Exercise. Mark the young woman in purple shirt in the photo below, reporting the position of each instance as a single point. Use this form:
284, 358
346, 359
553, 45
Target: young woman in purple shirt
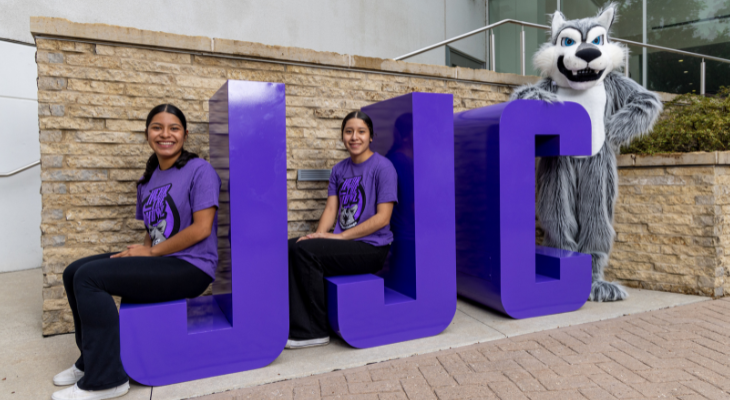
362, 192
177, 198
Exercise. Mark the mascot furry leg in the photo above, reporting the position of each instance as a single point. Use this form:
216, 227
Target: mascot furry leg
577, 195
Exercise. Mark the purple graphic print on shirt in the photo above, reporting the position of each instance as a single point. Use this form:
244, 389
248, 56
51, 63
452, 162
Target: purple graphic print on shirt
160, 214
352, 200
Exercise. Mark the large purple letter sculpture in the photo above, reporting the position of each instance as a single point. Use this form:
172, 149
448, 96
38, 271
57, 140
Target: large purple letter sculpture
498, 263
415, 296
247, 327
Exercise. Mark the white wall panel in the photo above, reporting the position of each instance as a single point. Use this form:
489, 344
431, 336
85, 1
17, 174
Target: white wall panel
18, 71
20, 199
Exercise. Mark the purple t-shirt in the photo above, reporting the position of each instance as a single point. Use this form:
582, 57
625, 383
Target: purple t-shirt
359, 189
167, 202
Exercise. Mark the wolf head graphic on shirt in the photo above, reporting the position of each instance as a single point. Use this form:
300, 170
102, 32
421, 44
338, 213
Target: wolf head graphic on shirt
352, 202
161, 217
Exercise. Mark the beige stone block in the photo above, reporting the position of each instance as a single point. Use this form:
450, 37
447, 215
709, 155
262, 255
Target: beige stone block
380, 64
698, 158
52, 83
311, 215
75, 47
625, 160
102, 187
93, 60
140, 150
307, 194
70, 123
674, 219
642, 209
80, 161
676, 190
311, 185
250, 49
125, 125
105, 238
670, 229
74, 175
100, 212
126, 174
301, 205
109, 137
109, 33
80, 85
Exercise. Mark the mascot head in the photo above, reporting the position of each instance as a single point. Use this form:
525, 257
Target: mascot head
579, 55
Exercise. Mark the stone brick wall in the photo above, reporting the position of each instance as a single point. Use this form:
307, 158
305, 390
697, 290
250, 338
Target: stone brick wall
672, 233
94, 97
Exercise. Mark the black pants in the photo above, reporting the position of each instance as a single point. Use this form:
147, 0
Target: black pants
310, 261
90, 283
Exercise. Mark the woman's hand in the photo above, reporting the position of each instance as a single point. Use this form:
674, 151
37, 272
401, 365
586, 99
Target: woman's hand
321, 235
135, 250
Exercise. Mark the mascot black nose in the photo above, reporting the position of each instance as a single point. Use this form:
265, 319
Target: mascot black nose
589, 54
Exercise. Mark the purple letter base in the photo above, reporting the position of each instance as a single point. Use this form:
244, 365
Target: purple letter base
415, 295
498, 263
247, 328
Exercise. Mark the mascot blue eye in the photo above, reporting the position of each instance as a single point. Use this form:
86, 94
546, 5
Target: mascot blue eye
568, 42
598, 40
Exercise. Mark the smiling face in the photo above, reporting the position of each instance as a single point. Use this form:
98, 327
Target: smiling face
579, 54
166, 137
356, 137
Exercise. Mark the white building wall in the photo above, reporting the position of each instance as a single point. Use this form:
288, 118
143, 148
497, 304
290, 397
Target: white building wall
375, 28
20, 199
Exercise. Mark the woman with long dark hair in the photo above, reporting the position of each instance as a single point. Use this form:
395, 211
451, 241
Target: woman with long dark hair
177, 198
363, 189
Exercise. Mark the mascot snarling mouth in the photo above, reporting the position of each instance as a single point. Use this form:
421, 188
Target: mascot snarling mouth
577, 195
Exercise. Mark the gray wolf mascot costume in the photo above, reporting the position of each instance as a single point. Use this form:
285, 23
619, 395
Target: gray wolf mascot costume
576, 195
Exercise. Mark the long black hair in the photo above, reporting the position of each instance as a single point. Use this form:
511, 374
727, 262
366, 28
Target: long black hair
359, 115
153, 162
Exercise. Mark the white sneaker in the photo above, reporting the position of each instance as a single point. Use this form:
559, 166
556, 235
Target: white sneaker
300, 344
74, 393
68, 377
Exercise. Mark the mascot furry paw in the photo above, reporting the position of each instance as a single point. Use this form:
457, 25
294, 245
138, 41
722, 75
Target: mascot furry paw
576, 195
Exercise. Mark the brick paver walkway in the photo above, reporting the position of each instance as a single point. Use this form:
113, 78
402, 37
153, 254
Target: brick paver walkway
678, 353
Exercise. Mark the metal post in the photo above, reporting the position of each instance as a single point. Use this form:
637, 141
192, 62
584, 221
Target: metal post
493, 56
644, 51
626, 63
522, 49
559, 6
702, 77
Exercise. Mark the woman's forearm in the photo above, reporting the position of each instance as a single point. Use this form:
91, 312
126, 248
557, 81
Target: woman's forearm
181, 241
371, 225
329, 215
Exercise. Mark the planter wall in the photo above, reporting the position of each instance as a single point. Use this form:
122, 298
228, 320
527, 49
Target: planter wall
672, 233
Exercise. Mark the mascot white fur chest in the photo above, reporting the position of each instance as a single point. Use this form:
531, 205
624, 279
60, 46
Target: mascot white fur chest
577, 195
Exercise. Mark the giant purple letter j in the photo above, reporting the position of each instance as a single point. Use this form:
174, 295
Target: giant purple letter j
245, 324
498, 263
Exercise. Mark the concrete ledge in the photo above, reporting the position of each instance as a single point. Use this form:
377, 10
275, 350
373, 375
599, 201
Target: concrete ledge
63, 28
668, 159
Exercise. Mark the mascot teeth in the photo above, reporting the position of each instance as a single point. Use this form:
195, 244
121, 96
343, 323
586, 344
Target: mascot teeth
576, 195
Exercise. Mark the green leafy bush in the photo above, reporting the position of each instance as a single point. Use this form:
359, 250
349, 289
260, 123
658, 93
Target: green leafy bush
689, 123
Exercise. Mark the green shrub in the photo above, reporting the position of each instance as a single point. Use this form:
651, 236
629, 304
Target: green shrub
689, 123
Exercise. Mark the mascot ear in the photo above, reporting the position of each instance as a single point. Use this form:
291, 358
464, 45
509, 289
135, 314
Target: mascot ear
558, 21
607, 16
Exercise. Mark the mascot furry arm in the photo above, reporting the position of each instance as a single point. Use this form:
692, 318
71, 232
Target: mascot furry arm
576, 195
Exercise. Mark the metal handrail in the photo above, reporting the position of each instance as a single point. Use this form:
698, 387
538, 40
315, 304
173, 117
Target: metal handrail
21, 169
523, 24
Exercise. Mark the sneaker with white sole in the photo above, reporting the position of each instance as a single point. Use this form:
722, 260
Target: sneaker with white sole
68, 377
300, 344
74, 393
